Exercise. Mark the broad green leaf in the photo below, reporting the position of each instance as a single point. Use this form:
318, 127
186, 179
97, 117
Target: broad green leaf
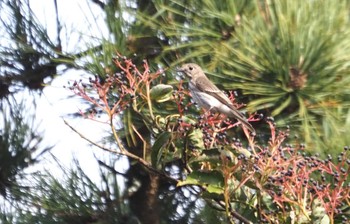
319, 214
188, 120
195, 138
158, 147
129, 132
211, 155
212, 181
161, 93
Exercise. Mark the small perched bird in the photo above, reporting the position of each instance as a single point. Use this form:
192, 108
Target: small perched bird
210, 97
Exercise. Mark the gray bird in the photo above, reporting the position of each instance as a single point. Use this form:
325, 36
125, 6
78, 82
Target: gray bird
210, 97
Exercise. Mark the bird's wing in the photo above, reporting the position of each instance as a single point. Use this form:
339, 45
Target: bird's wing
205, 85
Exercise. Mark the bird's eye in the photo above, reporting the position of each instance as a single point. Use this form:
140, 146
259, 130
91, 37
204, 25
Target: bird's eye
190, 68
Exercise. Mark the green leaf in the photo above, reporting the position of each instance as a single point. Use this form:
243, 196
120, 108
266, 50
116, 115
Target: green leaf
188, 120
195, 138
161, 93
212, 181
158, 148
319, 214
129, 132
212, 156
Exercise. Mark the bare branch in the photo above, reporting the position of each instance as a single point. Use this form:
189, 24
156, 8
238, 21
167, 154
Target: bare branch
124, 152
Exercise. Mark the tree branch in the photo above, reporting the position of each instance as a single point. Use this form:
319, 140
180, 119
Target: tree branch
124, 152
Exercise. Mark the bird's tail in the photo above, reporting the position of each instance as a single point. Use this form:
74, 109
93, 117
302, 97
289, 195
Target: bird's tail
237, 115
247, 125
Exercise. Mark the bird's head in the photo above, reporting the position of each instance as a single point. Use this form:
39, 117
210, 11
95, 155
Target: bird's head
190, 69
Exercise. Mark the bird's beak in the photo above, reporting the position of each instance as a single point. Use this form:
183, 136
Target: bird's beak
180, 69
183, 70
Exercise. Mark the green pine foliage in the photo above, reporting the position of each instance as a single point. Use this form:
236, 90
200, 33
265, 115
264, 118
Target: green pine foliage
288, 59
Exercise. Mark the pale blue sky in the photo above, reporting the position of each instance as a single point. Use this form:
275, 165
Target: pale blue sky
83, 22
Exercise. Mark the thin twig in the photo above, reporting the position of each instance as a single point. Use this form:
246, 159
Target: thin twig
126, 153
143, 141
90, 141
235, 214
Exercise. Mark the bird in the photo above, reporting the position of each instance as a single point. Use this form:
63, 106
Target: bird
208, 96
